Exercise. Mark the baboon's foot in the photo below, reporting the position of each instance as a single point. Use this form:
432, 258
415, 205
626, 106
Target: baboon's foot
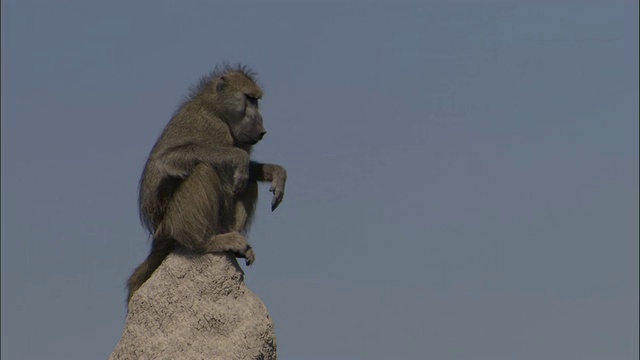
250, 257
235, 243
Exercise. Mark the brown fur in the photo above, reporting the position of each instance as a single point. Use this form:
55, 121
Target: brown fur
199, 189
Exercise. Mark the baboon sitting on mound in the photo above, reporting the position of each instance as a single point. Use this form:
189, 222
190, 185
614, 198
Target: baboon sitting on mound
199, 189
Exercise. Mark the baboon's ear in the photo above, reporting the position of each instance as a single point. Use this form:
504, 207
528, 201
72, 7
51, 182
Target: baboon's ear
221, 83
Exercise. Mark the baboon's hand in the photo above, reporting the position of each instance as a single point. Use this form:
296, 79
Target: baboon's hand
277, 187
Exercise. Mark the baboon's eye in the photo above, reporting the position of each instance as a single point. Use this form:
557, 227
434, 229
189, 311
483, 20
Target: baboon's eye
252, 100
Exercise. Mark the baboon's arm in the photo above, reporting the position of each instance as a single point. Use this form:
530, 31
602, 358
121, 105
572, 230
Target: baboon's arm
179, 161
270, 172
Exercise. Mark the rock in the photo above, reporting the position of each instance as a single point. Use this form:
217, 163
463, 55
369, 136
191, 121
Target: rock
196, 306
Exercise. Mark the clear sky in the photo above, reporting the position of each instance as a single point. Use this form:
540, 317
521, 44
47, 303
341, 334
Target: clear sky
463, 176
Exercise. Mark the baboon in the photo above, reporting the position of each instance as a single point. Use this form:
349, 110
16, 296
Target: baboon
198, 189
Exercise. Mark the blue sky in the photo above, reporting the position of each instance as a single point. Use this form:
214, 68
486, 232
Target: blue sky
463, 176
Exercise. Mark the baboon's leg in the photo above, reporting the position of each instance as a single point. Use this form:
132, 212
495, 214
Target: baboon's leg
244, 207
194, 216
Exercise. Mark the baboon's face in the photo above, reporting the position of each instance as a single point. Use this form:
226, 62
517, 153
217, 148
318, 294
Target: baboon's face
239, 108
250, 129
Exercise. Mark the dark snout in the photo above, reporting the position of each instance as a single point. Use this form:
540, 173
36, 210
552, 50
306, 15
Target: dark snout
257, 129
251, 129
255, 134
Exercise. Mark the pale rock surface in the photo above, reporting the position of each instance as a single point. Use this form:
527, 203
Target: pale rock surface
196, 306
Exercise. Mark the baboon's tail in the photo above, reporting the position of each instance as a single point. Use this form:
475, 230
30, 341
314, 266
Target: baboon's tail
160, 249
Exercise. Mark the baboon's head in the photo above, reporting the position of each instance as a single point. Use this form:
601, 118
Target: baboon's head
236, 96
